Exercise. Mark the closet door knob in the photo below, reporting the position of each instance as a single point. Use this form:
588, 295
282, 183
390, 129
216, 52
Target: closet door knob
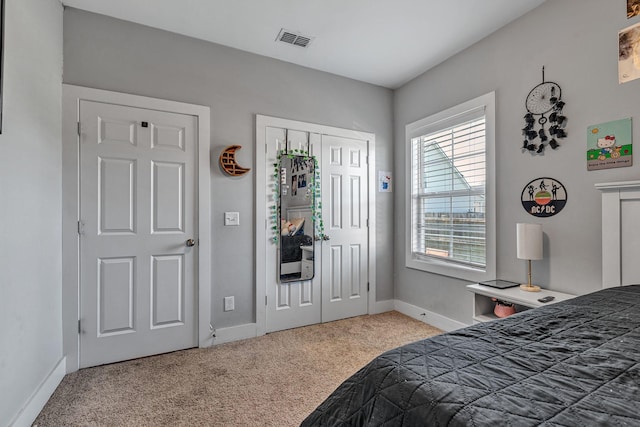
190, 243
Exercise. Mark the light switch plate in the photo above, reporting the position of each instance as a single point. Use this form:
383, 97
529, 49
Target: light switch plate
232, 218
229, 304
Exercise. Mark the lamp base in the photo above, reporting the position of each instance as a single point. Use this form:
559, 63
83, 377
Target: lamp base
530, 288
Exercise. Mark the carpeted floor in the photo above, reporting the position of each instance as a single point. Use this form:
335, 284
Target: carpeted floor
273, 380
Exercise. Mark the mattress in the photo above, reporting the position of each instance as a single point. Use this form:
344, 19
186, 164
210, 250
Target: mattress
574, 363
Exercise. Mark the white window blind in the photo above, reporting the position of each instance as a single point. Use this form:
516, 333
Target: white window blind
448, 190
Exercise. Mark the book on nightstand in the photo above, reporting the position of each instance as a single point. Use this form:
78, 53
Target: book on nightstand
500, 284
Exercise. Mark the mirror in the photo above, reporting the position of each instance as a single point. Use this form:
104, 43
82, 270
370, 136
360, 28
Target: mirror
296, 218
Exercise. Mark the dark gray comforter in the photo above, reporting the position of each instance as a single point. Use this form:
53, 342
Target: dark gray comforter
574, 363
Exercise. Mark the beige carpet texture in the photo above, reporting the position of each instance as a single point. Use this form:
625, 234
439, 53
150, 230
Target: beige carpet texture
272, 380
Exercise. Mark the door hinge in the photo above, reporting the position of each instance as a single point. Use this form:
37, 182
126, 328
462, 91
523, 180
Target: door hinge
367, 222
265, 300
79, 129
80, 228
367, 286
79, 327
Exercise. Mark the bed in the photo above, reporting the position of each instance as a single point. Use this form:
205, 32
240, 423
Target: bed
573, 363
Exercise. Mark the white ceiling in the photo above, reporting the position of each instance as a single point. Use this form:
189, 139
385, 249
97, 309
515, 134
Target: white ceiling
384, 42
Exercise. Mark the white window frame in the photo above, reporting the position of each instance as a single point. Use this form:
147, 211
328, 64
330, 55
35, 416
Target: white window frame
431, 124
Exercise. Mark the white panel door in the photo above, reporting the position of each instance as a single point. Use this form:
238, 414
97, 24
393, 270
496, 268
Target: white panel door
138, 211
345, 212
291, 304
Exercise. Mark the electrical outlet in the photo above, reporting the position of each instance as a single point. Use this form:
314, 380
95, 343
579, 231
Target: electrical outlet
229, 304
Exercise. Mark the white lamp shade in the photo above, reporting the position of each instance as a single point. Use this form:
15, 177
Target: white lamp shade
529, 241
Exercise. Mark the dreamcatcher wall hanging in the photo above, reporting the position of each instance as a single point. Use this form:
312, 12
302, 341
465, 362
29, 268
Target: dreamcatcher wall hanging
544, 122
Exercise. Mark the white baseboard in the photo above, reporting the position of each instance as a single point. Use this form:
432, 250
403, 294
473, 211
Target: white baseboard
426, 316
235, 333
40, 396
250, 330
383, 306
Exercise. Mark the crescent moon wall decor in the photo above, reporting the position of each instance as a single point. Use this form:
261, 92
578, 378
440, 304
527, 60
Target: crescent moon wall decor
228, 161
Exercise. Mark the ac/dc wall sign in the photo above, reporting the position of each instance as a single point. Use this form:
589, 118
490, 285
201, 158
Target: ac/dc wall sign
544, 197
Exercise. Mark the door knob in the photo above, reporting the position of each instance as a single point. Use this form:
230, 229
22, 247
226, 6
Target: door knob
326, 237
190, 243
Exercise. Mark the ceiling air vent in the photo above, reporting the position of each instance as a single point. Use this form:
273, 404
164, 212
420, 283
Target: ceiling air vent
296, 39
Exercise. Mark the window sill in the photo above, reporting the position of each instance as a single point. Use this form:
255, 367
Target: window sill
450, 269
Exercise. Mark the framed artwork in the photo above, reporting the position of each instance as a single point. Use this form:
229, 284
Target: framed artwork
629, 53
384, 182
633, 8
609, 145
1, 59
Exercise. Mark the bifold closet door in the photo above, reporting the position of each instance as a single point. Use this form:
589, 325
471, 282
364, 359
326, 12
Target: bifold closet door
339, 287
289, 304
345, 212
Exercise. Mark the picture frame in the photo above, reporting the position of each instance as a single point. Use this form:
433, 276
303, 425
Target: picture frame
629, 53
610, 145
633, 8
2, 33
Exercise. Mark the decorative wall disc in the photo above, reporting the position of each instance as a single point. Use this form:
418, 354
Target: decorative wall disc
543, 197
228, 161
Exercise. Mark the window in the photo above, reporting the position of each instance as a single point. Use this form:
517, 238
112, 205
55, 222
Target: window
450, 188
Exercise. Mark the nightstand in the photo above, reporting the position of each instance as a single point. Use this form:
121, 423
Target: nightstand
307, 262
483, 306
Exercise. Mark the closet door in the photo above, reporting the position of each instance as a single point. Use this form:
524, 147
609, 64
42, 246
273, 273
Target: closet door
339, 288
345, 212
289, 304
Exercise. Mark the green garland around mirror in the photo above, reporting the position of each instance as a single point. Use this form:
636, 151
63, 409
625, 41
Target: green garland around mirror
313, 191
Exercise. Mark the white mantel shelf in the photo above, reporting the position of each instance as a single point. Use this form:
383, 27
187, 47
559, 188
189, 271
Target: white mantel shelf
617, 185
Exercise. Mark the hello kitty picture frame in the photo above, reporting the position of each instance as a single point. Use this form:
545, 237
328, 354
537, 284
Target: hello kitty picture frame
609, 145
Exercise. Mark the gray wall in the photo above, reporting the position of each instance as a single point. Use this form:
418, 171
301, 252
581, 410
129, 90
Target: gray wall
577, 42
30, 200
110, 54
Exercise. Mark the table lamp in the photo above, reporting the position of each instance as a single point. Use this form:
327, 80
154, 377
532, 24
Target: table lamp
529, 243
